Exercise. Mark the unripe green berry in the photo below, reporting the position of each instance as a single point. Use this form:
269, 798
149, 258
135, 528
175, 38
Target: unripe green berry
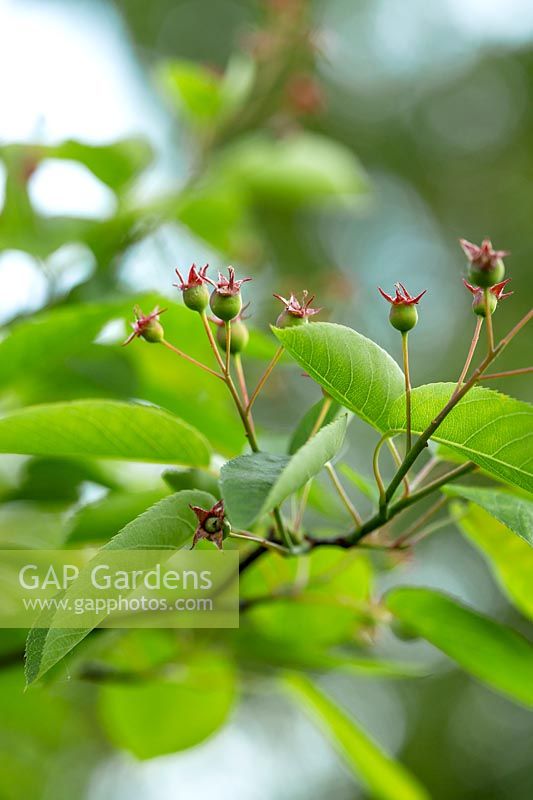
403, 317
196, 297
225, 306
212, 525
153, 332
239, 337
486, 276
288, 320
479, 307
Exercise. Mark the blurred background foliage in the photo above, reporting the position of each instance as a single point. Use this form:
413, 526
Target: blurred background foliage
325, 145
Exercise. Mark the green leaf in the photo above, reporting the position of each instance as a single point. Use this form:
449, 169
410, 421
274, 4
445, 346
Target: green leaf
487, 427
514, 512
509, 557
44, 342
259, 652
496, 655
237, 82
194, 89
252, 485
115, 164
103, 429
22, 229
169, 524
298, 170
307, 423
173, 713
103, 519
191, 479
56, 480
355, 371
334, 605
385, 778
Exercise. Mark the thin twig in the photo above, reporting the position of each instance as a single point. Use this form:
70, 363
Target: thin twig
428, 467
243, 413
375, 467
407, 376
509, 373
488, 317
264, 377
420, 522
191, 359
228, 345
240, 377
326, 405
433, 528
249, 537
212, 342
284, 534
424, 437
342, 494
384, 515
471, 351
398, 460
298, 519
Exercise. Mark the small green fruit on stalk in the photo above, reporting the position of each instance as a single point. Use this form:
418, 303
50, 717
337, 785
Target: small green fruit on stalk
485, 267
296, 312
495, 294
226, 299
194, 289
403, 314
212, 524
147, 326
239, 336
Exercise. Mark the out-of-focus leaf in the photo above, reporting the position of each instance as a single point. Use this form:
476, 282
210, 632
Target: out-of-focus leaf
39, 733
193, 88
44, 342
514, 512
31, 525
102, 519
22, 229
237, 82
363, 484
53, 480
301, 169
159, 717
253, 485
320, 601
327, 503
489, 428
217, 212
256, 651
191, 479
355, 371
103, 429
496, 655
115, 164
510, 558
260, 346
385, 778
307, 423
169, 524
